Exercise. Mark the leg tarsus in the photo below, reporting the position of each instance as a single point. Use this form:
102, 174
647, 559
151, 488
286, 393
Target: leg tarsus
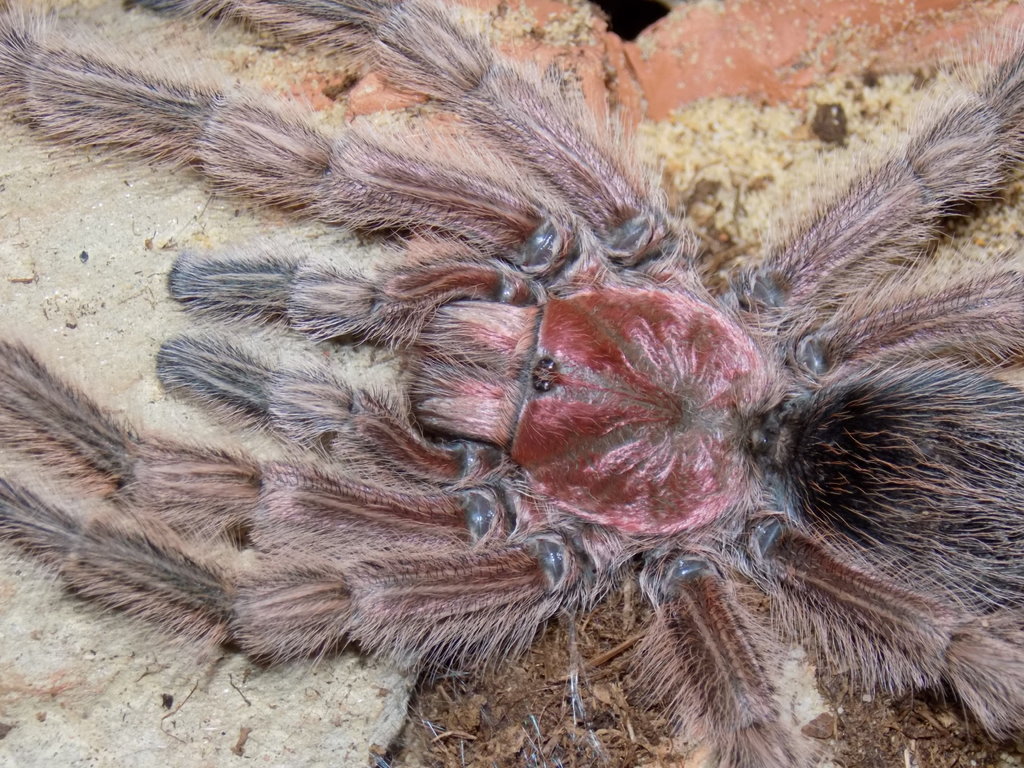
45, 419
253, 285
218, 375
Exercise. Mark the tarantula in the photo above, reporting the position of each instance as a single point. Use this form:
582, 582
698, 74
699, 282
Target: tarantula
580, 409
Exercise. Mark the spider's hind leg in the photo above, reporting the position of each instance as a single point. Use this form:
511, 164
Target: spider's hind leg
705, 661
979, 321
892, 637
963, 150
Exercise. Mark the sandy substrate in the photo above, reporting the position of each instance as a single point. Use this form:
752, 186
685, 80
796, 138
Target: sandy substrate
85, 246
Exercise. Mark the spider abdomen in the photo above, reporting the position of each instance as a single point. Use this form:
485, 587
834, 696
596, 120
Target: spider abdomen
921, 467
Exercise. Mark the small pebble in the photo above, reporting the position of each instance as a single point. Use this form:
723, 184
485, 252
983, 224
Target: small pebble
829, 123
822, 727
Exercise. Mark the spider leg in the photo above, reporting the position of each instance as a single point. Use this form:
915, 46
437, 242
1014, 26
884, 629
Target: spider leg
891, 636
440, 607
465, 608
309, 407
129, 562
527, 114
470, 359
344, 559
204, 493
981, 319
346, 516
965, 153
325, 302
362, 179
51, 422
703, 659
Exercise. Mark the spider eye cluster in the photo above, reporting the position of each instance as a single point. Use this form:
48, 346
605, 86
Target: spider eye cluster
544, 374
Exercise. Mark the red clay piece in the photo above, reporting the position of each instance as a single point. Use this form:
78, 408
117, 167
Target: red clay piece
773, 49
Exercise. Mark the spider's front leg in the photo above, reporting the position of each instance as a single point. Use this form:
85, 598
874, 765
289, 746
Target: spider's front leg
521, 112
202, 492
441, 607
365, 179
527, 176
301, 604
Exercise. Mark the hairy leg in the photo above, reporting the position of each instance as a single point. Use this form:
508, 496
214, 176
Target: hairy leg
526, 114
309, 407
703, 660
256, 283
363, 179
965, 153
902, 551
980, 320
204, 493
294, 604
128, 562
891, 637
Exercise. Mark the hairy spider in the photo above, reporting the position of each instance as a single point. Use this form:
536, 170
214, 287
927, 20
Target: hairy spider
580, 409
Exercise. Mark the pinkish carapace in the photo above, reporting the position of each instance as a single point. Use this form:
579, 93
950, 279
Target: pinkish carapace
634, 424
